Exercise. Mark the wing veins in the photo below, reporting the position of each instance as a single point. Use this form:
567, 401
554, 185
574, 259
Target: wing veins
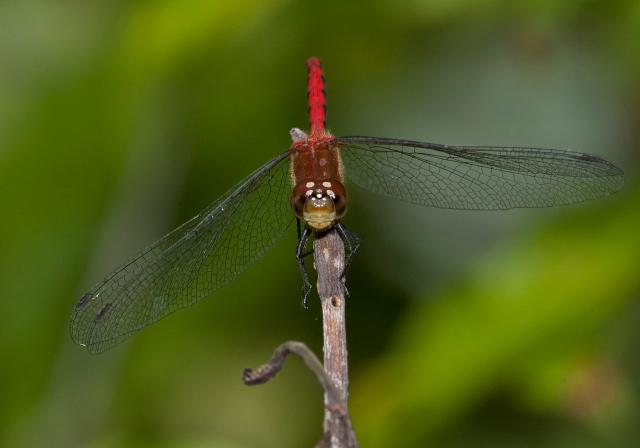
199, 235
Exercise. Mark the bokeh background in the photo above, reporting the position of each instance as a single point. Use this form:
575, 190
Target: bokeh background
119, 120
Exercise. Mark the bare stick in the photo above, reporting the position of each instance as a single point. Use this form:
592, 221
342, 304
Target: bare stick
329, 263
340, 433
267, 371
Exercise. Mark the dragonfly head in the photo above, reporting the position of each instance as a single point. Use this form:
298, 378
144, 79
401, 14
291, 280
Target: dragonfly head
319, 203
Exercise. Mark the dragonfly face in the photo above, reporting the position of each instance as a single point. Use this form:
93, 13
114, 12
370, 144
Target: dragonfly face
319, 203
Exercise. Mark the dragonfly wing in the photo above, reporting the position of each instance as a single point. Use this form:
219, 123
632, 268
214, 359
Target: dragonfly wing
190, 263
476, 178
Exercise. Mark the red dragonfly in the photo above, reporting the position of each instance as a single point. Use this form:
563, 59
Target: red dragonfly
228, 236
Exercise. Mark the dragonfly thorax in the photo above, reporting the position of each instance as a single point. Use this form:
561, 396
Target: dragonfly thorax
319, 203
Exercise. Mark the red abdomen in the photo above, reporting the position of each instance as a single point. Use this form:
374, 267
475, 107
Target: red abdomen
317, 97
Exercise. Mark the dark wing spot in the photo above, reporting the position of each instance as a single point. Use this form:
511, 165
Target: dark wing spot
83, 301
103, 311
590, 158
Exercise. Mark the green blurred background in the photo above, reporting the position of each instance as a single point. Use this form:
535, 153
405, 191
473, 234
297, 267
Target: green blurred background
119, 120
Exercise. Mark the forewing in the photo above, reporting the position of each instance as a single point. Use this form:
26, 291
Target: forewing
190, 263
476, 178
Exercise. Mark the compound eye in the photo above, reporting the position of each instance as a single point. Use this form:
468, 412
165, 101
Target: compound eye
299, 196
336, 191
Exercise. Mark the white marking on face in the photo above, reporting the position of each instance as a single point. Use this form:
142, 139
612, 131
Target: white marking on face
308, 193
331, 194
326, 184
310, 184
319, 195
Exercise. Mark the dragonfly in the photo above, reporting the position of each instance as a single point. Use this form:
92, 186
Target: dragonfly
306, 184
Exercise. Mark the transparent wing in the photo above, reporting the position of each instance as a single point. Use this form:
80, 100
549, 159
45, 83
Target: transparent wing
476, 177
190, 263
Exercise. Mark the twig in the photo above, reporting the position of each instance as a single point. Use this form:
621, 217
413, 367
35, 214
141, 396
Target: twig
342, 435
267, 371
329, 263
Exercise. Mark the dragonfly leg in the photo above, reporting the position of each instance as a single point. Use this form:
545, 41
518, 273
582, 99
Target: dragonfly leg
309, 252
352, 241
303, 237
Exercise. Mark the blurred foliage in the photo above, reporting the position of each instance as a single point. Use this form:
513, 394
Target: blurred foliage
120, 120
